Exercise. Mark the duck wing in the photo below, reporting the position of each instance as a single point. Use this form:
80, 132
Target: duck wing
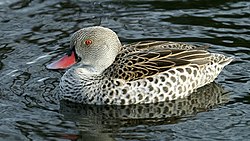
164, 44
141, 60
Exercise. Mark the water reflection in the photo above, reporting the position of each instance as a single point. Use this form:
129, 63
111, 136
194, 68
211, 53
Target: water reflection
99, 119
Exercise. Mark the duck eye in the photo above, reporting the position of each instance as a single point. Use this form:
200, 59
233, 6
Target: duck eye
88, 42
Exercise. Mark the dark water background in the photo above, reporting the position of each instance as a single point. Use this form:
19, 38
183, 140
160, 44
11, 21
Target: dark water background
35, 32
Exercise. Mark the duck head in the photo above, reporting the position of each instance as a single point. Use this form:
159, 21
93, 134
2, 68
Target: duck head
93, 46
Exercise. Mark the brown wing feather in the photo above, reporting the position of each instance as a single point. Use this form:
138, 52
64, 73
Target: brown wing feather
164, 44
133, 63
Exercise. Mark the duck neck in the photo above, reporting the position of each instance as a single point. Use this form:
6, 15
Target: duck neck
87, 70
99, 62
90, 70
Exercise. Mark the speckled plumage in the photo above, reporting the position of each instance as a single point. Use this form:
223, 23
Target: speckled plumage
139, 73
203, 99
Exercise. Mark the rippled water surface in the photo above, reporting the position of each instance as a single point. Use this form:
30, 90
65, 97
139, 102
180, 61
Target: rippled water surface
33, 33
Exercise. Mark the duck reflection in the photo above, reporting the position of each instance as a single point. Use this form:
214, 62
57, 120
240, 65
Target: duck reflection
109, 122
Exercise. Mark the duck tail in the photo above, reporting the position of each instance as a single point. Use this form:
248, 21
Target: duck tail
226, 61
222, 60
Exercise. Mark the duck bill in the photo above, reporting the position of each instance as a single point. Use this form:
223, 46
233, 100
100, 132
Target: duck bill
63, 63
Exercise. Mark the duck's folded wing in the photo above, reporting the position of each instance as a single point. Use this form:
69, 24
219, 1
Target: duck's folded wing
143, 63
164, 44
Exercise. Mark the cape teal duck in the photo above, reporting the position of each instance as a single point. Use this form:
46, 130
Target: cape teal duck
107, 72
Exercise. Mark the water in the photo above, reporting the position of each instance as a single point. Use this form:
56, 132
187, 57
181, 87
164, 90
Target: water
33, 33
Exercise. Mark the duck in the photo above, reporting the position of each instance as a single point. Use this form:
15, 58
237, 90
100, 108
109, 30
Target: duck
102, 71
